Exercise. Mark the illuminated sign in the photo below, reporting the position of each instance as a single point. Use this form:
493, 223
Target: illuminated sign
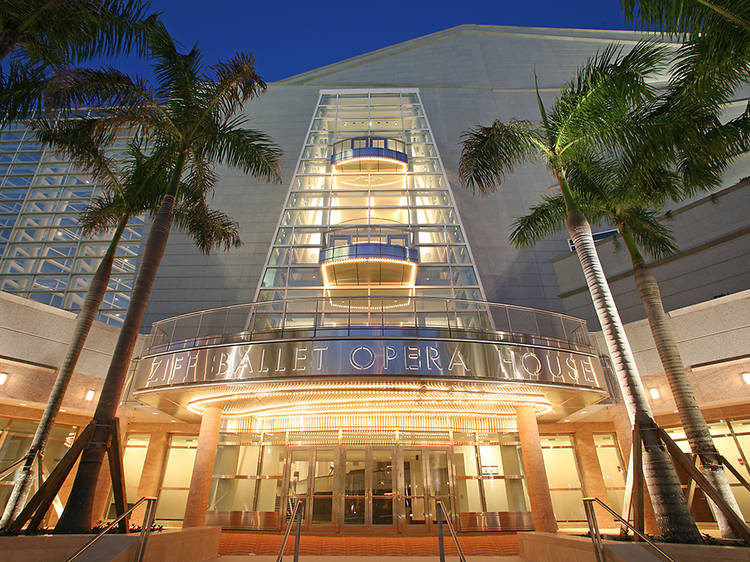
483, 361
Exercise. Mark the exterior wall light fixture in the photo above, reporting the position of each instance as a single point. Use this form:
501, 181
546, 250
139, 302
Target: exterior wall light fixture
654, 392
89, 395
745, 377
4, 377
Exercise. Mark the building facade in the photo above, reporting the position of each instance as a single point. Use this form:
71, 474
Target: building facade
375, 349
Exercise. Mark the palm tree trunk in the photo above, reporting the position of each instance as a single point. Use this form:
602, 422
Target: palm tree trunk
672, 514
86, 316
691, 417
76, 517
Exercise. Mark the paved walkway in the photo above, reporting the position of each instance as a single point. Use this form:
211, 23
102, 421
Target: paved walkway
486, 544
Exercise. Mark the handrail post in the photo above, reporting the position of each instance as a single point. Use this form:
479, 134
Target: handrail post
297, 535
141, 548
441, 545
441, 509
588, 504
292, 519
148, 521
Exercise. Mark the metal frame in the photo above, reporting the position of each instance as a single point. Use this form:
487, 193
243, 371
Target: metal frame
148, 520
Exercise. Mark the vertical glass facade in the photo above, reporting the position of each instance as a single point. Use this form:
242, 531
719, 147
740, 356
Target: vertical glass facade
369, 197
43, 255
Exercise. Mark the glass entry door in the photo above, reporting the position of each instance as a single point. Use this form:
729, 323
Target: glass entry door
311, 479
427, 479
369, 487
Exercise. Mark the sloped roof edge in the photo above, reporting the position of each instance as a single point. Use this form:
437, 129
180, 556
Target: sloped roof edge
596, 35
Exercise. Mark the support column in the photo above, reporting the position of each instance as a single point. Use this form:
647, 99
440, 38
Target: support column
103, 492
536, 477
624, 431
591, 474
203, 468
153, 464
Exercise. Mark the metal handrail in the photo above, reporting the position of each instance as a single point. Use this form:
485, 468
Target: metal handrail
443, 514
296, 534
430, 314
596, 537
148, 520
11, 468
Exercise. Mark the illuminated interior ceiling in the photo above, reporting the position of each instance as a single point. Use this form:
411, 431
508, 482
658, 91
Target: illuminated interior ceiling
370, 262
359, 404
364, 270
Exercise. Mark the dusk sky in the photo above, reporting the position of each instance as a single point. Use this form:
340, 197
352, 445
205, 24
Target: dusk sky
289, 37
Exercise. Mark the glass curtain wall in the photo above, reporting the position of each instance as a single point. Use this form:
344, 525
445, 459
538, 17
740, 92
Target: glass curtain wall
15, 439
43, 255
732, 440
564, 477
417, 199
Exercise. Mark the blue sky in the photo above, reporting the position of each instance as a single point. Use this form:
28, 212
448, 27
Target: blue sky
293, 36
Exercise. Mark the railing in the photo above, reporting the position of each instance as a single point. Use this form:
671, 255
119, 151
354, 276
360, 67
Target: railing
383, 147
148, 520
292, 519
443, 514
396, 316
10, 469
596, 537
376, 233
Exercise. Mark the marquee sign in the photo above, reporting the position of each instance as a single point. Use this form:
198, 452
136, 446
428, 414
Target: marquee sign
483, 361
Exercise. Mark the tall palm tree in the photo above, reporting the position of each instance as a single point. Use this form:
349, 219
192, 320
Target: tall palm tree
130, 189
40, 36
613, 192
189, 119
592, 113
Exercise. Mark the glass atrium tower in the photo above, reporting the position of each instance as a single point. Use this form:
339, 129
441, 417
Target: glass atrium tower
369, 378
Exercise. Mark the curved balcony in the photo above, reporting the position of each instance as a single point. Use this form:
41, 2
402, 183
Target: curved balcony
369, 148
370, 363
368, 255
374, 317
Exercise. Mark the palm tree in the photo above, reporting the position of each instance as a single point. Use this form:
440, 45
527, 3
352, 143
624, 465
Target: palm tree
593, 113
40, 36
714, 60
616, 193
128, 192
189, 119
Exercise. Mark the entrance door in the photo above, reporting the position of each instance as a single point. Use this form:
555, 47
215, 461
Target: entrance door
426, 480
368, 487
311, 479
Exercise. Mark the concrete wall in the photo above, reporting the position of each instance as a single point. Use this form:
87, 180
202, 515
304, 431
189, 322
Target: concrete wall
713, 236
467, 76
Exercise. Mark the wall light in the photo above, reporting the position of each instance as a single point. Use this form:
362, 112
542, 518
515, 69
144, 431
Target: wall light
90, 395
654, 392
4, 377
745, 377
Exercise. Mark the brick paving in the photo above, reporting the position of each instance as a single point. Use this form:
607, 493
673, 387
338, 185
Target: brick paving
486, 544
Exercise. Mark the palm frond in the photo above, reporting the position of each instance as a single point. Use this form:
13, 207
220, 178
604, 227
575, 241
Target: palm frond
209, 228
21, 91
687, 18
248, 150
489, 153
545, 218
649, 233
